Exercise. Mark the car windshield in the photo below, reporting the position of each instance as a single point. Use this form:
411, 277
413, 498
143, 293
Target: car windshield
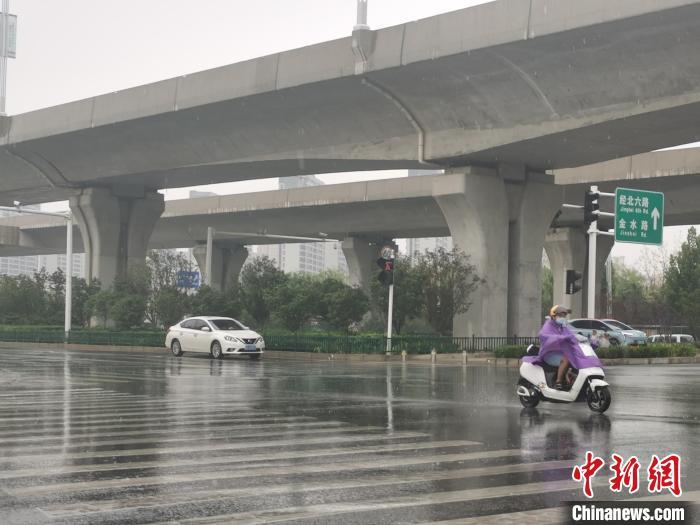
618, 324
226, 324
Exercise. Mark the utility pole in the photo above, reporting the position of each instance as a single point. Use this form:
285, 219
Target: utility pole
8, 37
207, 263
361, 15
609, 290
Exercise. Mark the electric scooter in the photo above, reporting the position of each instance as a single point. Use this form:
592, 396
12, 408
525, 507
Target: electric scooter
537, 383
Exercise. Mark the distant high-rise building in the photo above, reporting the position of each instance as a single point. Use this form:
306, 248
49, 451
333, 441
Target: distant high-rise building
301, 181
309, 257
21, 265
51, 263
195, 194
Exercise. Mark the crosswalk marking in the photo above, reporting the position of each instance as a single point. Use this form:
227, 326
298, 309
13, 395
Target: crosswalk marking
291, 455
374, 480
242, 447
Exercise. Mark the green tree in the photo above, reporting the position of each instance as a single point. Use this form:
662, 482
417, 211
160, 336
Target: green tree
629, 295
170, 304
409, 301
547, 291
258, 279
56, 297
127, 310
682, 283
98, 306
341, 305
448, 280
81, 295
165, 301
295, 301
22, 300
208, 301
129, 298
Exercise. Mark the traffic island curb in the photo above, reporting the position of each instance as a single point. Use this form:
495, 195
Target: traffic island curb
457, 358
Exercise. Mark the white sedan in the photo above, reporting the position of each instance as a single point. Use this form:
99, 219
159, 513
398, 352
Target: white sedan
217, 336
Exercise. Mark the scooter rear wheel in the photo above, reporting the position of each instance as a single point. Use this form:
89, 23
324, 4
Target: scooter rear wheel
599, 400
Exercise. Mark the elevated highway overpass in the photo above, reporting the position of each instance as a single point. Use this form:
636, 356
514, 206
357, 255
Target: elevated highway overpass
497, 93
363, 214
542, 83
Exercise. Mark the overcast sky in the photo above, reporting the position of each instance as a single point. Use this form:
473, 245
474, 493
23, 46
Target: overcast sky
73, 49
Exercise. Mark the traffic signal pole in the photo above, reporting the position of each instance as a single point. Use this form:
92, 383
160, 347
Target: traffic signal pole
389, 317
592, 245
593, 233
386, 276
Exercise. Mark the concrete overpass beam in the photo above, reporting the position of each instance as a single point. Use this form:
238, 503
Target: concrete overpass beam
116, 225
533, 202
478, 220
226, 263
567, 250
361, 256
9, 235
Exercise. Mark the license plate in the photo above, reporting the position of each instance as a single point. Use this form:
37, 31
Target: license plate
250, 348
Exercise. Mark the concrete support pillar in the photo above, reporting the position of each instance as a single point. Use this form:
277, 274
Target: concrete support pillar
478, 220
116, 225
226, 263
567, 250
361, 255
533, 200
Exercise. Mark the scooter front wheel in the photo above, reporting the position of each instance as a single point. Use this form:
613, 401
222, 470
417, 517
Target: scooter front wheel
599, 400
529, 401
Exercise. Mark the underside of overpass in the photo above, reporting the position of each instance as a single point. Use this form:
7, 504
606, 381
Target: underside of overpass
539, 83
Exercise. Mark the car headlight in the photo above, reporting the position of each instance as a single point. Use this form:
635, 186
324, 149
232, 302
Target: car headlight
260, 340
232, 339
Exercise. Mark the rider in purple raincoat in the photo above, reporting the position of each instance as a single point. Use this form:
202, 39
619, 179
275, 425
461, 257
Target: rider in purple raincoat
559, 346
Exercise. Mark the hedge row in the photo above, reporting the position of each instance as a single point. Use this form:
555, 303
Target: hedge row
615, 352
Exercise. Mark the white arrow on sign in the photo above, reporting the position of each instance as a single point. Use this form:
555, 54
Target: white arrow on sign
655, 215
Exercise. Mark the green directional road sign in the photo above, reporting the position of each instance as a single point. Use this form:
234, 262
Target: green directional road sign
639, 216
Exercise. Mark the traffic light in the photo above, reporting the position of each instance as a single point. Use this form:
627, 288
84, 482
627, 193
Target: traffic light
386, 276
572, 286
590, 207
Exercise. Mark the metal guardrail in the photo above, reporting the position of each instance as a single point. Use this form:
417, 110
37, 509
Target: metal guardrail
351, 344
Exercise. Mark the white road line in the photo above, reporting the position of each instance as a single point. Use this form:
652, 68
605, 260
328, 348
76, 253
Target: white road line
249, 471
373, 480
232, 459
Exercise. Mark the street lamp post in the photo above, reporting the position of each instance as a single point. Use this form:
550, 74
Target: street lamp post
69, 258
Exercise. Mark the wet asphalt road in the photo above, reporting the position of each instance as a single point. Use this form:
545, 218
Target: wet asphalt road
150, 438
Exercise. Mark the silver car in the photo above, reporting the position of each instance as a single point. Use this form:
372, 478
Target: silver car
216, 336
632, 336
618, 333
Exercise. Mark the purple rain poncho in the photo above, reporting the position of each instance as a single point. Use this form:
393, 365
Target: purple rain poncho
557, 338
